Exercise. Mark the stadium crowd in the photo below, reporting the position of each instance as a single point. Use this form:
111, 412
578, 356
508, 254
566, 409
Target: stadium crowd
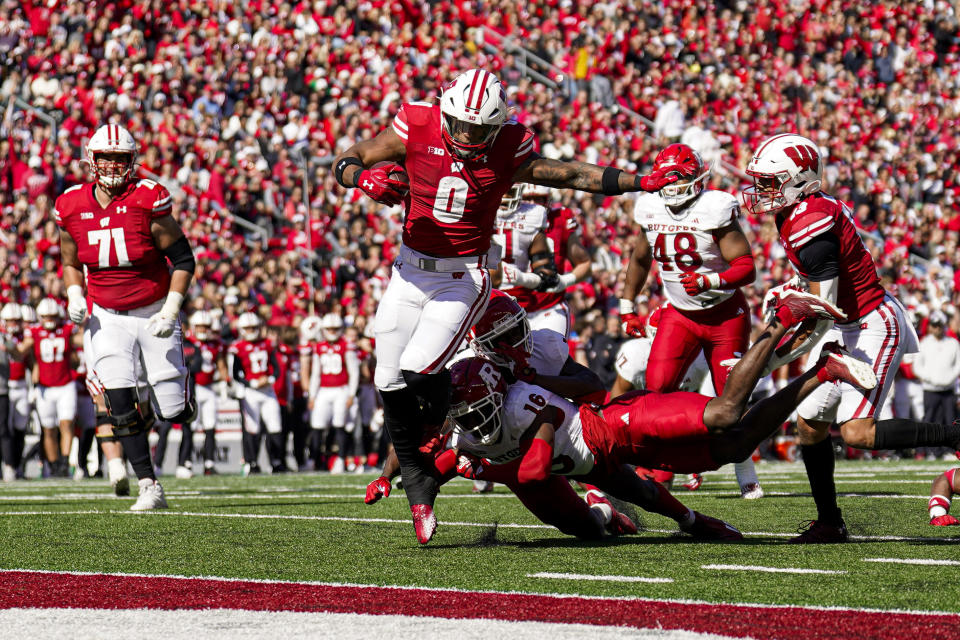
228, 100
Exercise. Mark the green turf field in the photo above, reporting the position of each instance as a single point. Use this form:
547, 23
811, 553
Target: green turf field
316, 528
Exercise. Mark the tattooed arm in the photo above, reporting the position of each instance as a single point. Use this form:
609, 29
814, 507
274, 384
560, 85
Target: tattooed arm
584, 176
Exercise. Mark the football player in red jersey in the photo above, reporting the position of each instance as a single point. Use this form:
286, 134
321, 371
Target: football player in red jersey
109, 443
50, 346
821, 242
254, 368
121, 231
941, 494
13, 429
543, 295
462, 156
331, 385
208, 364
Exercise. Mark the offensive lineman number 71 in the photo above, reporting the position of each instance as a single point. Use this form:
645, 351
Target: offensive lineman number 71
102, 238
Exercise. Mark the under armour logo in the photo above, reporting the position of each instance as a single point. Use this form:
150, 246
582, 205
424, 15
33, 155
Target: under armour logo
121, 209
367, 184
456, 167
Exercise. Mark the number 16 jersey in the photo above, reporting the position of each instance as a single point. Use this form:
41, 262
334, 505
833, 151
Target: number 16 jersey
453, 202
686, 242
125, 269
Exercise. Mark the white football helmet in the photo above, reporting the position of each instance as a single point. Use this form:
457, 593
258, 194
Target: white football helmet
118, 142
49, 313
249, 325
511, 199
309, 329
201, 323
29, 314
11, 317
332, 325
473, 109
536, 192
785, 169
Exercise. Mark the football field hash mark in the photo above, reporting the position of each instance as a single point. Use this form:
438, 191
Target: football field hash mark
580, 576
921, 561
744, 567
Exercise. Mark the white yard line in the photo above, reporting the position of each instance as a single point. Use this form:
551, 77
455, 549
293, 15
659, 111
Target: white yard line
745, 567
581, 576
922, 561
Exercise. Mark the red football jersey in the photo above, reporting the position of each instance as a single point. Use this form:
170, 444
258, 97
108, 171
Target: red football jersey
286, 360
210, 351
18, 370
254, 357
859, 289
333, 362
125, 270
452, 203
561, 224
52, 350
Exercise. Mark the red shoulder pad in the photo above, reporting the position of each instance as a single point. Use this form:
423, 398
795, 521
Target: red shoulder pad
807, 224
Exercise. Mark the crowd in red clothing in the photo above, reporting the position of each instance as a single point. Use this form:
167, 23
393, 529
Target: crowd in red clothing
224, 96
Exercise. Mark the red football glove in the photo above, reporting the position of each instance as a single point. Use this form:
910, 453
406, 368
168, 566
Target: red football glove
695, 283
526, 374
377, 184
469, 466
379, 488
946, 520
517, 355
632, 325
658, 180
432, 443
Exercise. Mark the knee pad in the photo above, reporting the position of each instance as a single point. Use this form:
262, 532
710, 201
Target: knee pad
124, 411
107, 437
101, 417
186, 416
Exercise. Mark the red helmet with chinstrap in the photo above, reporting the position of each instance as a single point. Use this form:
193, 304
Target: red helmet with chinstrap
477, 398
502, 327
687, 163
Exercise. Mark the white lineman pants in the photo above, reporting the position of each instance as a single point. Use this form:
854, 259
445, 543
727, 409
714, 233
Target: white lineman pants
257, 405
120, 341
19, 405
56, 404
882, 337
555, 318
330, 407
207, 402
425, 313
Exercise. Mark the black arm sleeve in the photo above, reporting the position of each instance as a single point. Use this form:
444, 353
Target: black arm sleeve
274, 363
238, 374
181, 255
820, 259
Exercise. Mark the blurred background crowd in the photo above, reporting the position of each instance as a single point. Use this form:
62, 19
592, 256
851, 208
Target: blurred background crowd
241, 105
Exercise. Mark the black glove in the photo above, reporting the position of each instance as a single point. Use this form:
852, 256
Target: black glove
548, 278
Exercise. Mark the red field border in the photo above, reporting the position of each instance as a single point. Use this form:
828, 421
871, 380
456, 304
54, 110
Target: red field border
40, 589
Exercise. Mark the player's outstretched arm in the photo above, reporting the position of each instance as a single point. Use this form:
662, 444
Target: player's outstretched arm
576, 382
584, 176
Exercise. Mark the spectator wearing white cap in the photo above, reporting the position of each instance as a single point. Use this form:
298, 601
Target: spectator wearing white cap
938, 367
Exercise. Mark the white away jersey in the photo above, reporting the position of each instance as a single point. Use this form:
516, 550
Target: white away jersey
631, 365
514, 233
550, 352
523, 403
685, 242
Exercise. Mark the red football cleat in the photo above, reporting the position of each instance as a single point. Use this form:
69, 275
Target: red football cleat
796, 306
945, 520
694, 482
424, 522
708, 528
619, 524
818, 532
838, 365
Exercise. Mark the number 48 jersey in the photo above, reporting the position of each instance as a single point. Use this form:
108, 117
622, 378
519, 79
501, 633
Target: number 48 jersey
686, 242
125, 269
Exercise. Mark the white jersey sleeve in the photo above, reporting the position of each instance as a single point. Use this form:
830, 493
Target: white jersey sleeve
684, 242
515, 232
550, 352
631, 362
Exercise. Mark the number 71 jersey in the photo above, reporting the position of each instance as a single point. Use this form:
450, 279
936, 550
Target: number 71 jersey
686, 242
125, 269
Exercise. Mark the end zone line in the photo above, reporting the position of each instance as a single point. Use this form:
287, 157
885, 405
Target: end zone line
923, 561
581, 576
743, 567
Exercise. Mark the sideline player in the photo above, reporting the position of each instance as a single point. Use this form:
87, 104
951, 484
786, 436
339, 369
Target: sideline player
679, 431
940, 495
704, 259
331, 385
461, 155
50, 345
13, 423
208, 364
121, 231
822, 244
254, 368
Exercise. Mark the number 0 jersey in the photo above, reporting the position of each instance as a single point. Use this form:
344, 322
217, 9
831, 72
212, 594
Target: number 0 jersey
685, 242
125, 269
453, 202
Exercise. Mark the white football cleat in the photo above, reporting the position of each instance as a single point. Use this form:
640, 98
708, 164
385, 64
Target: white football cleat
117, 470
184, 473
337, 465
752, 491
151, 496
9, 473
